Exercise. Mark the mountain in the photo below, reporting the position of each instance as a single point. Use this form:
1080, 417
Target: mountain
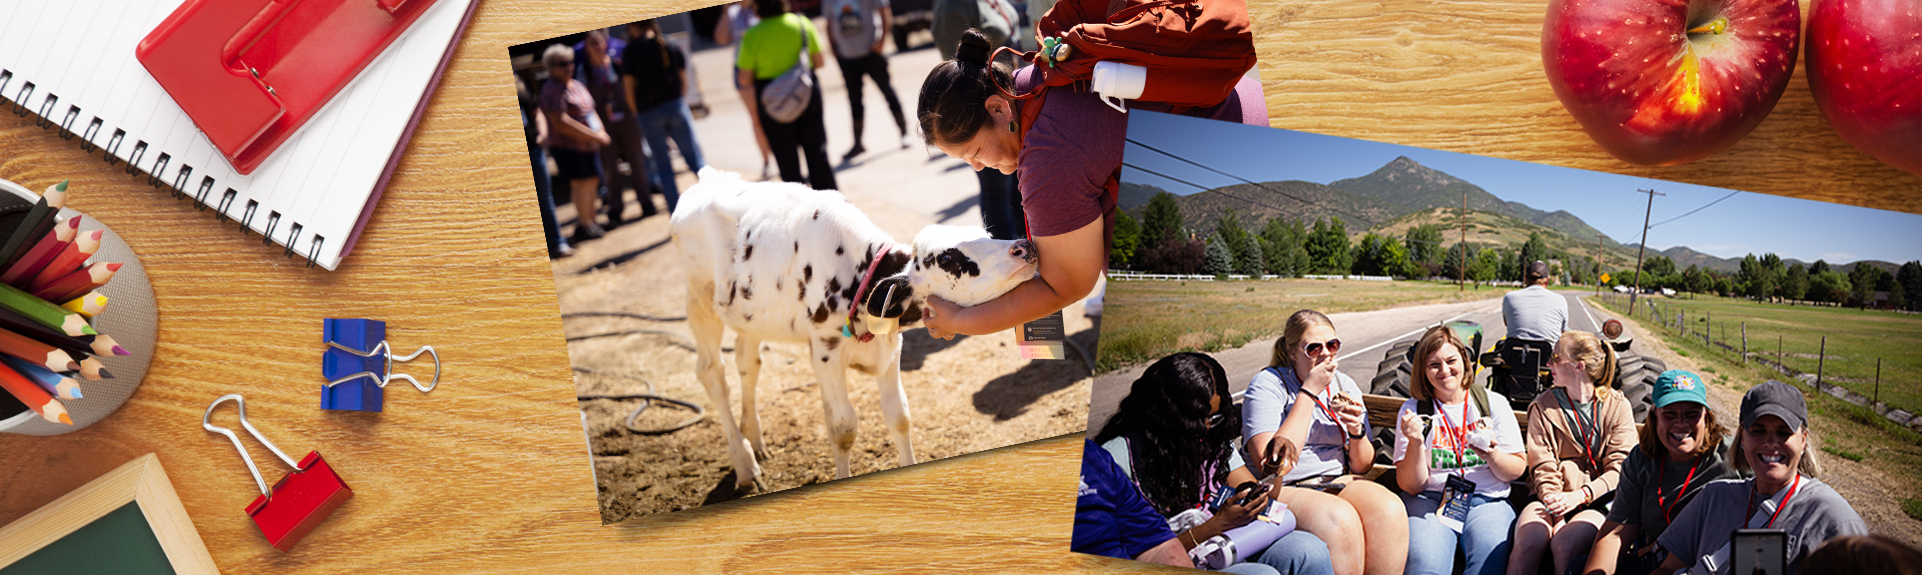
1256, 203
1412, 187
1133, 195
1498, 229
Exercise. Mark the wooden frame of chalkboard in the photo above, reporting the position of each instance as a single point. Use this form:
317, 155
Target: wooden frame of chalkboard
141, 482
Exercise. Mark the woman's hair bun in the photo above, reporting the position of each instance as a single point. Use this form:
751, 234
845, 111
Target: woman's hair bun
973, 48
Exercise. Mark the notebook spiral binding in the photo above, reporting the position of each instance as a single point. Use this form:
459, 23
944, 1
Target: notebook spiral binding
202, 198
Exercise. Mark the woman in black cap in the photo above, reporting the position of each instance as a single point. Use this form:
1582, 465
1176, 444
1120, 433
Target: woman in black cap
1774, 442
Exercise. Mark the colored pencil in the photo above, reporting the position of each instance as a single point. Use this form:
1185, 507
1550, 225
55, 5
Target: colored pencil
38, 399
87, 305
32, 350
78, 346
70, 259
72, 326
35, 225
42, 253
34, 308
93, 370
80, 281
60, 386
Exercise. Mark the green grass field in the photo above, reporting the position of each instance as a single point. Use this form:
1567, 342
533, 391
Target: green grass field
1149, 319
1856, 339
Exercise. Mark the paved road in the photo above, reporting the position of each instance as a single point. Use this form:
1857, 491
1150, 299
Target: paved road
1366, 337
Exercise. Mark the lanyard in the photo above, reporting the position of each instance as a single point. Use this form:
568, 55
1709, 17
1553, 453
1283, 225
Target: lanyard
1327, 410
1778, 508
1458, 434
1668, 508
1582, 426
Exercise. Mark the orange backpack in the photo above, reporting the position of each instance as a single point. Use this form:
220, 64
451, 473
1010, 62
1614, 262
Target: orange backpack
1194, 52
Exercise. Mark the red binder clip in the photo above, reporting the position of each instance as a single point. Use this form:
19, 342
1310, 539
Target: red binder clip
299, 501
251, 72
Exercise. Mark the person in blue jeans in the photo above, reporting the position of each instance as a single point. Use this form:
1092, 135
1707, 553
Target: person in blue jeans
656, 79
1175, 436
1455, 438
534, 124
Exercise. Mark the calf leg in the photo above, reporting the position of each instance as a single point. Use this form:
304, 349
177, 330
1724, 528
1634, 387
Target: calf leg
894, 403
708, 328
830, 367
747, 356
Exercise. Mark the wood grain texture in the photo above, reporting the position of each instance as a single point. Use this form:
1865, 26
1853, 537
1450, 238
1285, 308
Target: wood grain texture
489, 473
1466, 76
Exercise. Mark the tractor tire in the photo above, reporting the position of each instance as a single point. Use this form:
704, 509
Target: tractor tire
1391, 375
1638, 385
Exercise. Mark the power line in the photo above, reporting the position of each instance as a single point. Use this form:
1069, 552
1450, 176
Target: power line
1304, 201
1692, 212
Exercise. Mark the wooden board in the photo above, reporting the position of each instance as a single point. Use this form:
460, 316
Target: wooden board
489, 473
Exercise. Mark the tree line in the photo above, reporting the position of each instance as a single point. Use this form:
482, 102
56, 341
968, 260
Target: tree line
1160, 242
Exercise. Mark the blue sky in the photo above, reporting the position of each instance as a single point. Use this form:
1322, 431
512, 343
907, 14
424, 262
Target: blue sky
1745, 223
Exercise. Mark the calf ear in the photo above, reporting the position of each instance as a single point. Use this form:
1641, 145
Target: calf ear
890, 303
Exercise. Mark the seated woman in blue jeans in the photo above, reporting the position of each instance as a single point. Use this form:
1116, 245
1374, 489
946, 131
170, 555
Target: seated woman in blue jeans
1455, 444
1175, 436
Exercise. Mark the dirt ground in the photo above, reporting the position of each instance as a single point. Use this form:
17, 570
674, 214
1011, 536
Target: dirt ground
622, 301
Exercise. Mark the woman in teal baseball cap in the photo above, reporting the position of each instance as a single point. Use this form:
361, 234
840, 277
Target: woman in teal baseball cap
1681, 451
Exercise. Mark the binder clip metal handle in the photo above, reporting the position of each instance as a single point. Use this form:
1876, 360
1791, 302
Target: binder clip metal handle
381, 380
206, 421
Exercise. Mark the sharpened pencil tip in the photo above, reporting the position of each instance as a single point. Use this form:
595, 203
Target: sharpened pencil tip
78, 395
104, 374
65, 419
62, 186
72, 366
117, 350
89, 330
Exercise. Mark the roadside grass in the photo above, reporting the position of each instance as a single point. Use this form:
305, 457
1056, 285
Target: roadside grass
1150, 319
1856, 340
1842, 429
1913, 507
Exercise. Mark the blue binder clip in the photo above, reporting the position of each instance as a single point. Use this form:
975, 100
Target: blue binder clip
356, 379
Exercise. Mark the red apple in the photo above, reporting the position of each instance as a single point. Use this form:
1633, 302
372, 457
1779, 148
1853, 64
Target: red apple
1666, 82
1865, 66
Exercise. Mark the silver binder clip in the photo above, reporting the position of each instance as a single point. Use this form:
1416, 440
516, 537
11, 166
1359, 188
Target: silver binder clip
381, 379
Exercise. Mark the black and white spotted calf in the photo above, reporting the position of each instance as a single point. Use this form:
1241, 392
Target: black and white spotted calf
781, 262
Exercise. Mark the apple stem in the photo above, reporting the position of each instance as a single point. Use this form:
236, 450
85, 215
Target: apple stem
1716, 26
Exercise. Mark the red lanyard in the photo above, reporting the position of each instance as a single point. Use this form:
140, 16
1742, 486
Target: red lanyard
1668, 508
1583, 427
1458, 434
1327, 410
1778, 509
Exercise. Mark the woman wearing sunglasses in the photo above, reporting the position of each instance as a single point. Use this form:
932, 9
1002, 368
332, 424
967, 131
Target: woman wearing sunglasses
1302, 399
1174, 436
1579, 433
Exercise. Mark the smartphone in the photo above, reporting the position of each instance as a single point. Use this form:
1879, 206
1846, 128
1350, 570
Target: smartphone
1759, 552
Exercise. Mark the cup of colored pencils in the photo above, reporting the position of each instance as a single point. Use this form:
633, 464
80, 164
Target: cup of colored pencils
49, 294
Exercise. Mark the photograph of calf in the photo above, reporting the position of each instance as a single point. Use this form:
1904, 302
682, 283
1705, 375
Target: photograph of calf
826, 276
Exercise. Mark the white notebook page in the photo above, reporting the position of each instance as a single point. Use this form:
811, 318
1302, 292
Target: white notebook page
82, 53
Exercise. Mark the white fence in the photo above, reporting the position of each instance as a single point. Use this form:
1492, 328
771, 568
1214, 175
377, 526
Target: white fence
1119, 275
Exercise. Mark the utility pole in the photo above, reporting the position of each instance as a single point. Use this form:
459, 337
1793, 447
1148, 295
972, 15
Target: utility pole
1641, 248
1461, 281
1598, 263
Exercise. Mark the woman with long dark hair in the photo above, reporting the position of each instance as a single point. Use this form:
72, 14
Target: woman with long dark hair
769, 49
1065, 158
656, 81
1175, 434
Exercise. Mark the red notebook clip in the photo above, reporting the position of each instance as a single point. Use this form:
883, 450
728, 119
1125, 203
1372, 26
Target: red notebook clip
251, 72
298, 502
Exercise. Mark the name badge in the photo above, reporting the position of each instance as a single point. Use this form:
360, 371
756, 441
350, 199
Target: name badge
1455, 502
1042, 338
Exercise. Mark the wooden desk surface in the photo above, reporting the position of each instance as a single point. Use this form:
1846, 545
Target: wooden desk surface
489, 472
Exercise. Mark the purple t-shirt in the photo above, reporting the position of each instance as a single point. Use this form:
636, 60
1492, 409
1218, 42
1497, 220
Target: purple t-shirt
573, 100
1075, 145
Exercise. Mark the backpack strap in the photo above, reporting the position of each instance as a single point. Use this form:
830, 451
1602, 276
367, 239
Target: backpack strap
1480, 395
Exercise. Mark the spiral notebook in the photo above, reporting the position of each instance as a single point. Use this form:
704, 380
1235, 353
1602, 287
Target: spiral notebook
72, 64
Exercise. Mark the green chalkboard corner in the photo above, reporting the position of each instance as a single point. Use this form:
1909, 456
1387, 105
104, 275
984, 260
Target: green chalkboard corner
119, 542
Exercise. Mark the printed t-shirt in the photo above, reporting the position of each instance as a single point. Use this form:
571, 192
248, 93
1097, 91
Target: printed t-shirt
1111, 517
1442, 458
